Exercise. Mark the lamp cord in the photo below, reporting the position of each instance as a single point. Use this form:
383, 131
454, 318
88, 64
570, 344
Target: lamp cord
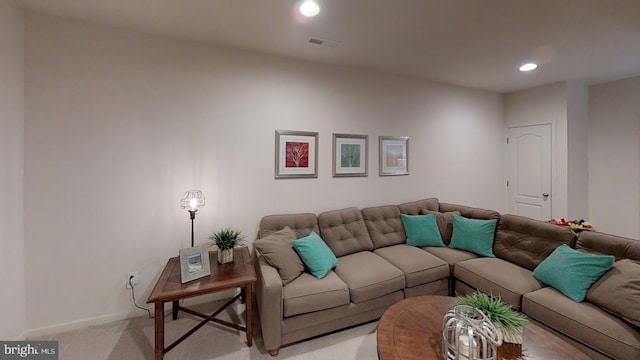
133, 298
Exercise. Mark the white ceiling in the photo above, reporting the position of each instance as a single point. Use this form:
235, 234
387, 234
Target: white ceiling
475, 43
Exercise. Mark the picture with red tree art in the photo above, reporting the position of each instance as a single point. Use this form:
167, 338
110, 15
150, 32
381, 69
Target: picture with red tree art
297, 154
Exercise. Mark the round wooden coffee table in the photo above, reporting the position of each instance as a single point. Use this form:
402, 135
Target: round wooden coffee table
412, 329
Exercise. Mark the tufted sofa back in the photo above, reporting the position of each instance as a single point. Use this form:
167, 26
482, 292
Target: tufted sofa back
415, 207
469, 212
620, 247
384, 225
344, 231
526, 242
301, 224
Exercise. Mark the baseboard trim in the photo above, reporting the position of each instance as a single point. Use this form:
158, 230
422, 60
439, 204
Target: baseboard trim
81, 324
21, 336
105, 319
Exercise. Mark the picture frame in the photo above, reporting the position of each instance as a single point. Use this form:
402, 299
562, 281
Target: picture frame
394, 155
194, 263
350, 155
296, 154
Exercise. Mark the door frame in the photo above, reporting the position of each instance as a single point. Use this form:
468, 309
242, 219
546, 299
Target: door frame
506, 195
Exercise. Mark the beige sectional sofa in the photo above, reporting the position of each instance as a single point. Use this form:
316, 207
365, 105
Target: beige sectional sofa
377, 269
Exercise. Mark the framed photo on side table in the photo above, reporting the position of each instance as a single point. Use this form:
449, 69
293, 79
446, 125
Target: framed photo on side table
296, 154
394, 155
350, 155
194, 263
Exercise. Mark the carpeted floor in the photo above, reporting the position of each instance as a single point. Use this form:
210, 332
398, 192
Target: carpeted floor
133, 339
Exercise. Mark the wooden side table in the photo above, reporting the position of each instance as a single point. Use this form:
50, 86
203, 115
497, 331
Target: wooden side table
236, 274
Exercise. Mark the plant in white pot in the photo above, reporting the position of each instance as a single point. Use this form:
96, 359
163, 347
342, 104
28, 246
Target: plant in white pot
226, 240
508, 321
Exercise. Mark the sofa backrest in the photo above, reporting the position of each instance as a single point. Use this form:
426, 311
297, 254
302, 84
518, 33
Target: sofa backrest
384, 225
414, 207
601, 243
302, 224
469, 212
445, 223
526, 242
344, 231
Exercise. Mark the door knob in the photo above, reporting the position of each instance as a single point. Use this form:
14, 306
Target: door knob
545, 195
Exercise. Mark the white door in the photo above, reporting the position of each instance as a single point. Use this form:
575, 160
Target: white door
529, 171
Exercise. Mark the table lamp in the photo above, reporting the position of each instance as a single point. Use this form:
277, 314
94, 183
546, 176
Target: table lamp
192, 201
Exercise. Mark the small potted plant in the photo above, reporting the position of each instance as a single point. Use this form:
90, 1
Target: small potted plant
508, 321
226, 240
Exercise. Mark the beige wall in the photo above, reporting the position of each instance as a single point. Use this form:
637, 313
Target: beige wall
12, 278
577, 150
596, 149
119, 125
614, 157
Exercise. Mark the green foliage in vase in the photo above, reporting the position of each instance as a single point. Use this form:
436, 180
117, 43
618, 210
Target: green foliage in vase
498, 312
226, 238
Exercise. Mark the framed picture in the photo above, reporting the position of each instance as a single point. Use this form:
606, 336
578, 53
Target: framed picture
296, 154
394, 155
350, 155
194, 263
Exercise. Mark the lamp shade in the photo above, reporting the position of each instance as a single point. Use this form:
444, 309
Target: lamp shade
192, 200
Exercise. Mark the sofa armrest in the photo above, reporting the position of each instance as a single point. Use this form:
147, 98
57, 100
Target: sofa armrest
269, 300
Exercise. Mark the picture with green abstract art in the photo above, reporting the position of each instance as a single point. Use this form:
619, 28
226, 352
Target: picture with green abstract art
350, 155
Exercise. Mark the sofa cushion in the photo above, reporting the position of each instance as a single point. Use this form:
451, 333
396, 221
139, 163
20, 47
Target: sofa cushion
449, 255
473, 235
384, 225
277, 249
618, 291
601, 243
572, 271
421, 230
415, 207
445, 223
379, 279
497, 277
526, 242
344, 231
301, 224
307, 294
418, 266
584, 322
315, 254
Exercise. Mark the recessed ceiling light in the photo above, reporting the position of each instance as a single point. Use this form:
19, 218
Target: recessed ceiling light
309, 8
528, 67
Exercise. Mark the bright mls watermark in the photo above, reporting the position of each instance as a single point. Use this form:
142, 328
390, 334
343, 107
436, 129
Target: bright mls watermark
30, 350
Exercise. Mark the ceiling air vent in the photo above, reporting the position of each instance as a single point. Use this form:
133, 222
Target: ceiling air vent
323, 42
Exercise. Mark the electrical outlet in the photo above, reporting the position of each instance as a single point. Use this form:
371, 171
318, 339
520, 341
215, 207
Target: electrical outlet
132, 279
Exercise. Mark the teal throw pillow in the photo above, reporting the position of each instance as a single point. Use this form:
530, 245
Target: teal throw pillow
572, 272
315, 254
473, 235
422, 230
